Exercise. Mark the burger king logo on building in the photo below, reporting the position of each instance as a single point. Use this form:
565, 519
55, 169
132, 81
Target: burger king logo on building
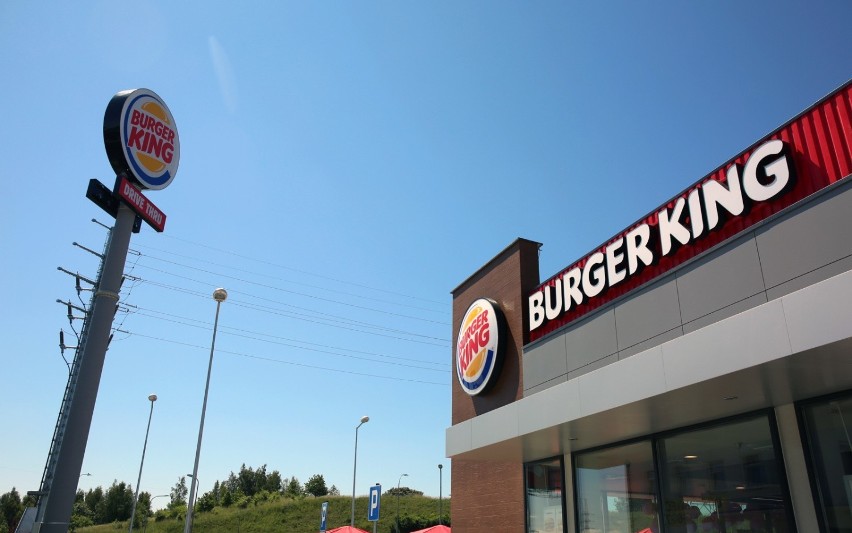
141, 138
479, 348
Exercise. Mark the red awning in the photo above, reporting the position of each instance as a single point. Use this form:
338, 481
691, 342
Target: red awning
434, 529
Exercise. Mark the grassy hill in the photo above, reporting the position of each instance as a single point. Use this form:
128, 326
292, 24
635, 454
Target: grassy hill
294, 516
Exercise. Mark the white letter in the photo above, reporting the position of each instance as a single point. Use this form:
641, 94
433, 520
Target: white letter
613, 259
536, 309
671, 227
552, 308
637, 248
716, 194
571, 288
778, 168
695, 218
589, 288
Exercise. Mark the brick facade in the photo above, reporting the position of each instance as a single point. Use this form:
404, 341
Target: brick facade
489, 496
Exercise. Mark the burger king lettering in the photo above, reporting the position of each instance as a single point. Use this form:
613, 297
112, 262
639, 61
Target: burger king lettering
478, 349
141, 138
766, 174
149, 135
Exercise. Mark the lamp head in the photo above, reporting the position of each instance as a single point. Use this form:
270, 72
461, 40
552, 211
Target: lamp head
365, 419
153, 397
220, 295
440, 466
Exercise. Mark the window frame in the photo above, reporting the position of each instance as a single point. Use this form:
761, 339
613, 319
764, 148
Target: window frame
655, 438
562, 502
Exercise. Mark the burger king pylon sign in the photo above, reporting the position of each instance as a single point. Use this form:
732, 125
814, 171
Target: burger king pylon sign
141, 138
479, 348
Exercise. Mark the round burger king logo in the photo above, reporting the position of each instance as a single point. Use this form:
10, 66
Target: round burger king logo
478, 351
141, 138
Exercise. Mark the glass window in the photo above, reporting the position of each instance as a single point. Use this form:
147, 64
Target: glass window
828, 424
617, 490
544, 481
724, 478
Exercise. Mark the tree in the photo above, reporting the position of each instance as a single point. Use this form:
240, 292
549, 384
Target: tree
206, 502
274, 483
143, 508
118, 502
81, 516
316, 486
11, 509
402, 491
247, 479
334, 491
94, 502
178, 494
294, 488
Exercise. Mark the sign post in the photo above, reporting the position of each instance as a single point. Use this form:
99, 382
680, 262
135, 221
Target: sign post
323, 517
142, 145
375, 503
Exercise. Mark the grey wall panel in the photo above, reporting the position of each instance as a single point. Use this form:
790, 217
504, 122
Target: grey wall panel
545, 362
650, 343
600, 363
814, 276
592, 340
528, 391
652, 312
721, 314
817, 234
721, 279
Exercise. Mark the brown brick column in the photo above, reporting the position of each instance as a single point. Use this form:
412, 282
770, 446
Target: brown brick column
489, 496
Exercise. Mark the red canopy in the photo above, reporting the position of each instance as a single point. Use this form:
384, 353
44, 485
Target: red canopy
346, 529
434, 529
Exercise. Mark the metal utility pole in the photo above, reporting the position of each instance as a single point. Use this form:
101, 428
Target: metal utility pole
58, 489
131, 160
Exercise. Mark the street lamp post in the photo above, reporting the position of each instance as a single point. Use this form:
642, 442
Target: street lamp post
440, 489
152, 398
152, 505
364, 420
220, 295
195, 498
397, 500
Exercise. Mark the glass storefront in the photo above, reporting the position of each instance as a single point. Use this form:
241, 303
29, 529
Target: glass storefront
545, 512
827, 426
726, 477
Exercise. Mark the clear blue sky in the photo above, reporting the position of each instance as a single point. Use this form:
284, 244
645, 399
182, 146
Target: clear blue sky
344, 166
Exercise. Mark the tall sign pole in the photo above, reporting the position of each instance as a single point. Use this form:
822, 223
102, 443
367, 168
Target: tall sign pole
143, 148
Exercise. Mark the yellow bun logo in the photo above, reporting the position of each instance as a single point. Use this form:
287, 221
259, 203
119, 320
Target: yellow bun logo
141, 138
478, 357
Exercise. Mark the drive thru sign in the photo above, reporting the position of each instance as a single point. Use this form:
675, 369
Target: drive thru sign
375, 499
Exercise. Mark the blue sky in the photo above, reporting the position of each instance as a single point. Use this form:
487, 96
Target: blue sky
343, 167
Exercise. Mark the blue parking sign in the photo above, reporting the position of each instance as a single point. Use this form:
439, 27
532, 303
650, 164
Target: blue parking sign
323, 516
375, 501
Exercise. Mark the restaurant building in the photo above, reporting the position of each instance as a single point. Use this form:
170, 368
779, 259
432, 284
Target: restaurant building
693, 373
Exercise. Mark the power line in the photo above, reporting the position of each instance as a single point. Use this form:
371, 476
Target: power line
316, 318
285, 267
313, 297
308, 285
284, 341
303, 365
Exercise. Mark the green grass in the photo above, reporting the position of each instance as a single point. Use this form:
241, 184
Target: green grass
292, 516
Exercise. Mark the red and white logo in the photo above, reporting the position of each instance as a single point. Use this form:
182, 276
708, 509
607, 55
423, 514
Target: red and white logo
141, 138
478, 353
